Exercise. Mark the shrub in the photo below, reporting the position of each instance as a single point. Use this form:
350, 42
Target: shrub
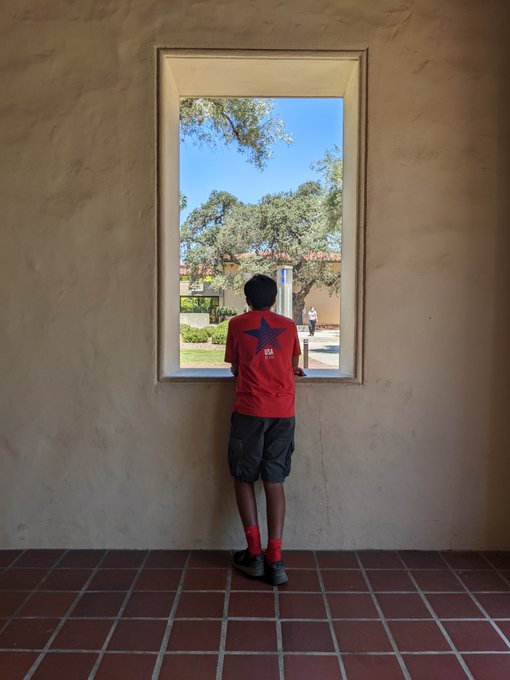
224, 313
210, 330
184, 327
195, 335
219, 334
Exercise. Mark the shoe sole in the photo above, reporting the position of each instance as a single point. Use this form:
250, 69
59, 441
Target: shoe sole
278, 581
252, 573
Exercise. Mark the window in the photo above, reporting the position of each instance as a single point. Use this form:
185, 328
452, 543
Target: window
185, 73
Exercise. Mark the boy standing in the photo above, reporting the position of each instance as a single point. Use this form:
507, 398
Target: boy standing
263, 350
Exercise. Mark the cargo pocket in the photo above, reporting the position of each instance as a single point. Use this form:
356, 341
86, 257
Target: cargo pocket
288, 460
235, 456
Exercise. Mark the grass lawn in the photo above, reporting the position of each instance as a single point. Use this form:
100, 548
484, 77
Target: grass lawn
203, 357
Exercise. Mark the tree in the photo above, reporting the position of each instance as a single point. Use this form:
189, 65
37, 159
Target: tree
231, 240
246, 122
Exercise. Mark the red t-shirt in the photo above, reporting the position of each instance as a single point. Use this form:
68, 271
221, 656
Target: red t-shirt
262, 345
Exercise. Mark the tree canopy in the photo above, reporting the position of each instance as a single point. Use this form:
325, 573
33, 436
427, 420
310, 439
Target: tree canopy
248, 123
231, 240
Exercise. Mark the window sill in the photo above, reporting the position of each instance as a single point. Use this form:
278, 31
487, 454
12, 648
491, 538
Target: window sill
220, 375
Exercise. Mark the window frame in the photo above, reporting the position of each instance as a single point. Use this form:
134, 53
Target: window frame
354, 191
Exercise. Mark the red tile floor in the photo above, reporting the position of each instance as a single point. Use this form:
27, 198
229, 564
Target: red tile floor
363, 615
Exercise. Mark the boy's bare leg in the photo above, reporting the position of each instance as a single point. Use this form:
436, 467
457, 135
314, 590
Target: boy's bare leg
246, 503
275, 502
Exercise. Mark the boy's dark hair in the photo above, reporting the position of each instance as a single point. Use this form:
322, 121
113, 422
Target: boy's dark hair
260, 291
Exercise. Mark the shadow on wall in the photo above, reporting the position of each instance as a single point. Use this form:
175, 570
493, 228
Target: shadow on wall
497, 533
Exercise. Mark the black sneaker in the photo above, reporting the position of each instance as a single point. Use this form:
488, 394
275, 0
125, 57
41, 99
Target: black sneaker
275, 573
251, 565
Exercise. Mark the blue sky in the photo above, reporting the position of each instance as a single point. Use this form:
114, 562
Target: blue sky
316, 125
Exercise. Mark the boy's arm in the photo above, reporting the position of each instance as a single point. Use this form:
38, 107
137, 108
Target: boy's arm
296, 368
296, 351
230, 353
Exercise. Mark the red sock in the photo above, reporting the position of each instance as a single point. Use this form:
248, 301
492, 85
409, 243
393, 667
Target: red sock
274, 550
253, 538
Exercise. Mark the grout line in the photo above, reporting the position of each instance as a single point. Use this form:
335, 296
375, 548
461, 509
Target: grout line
479, 605
441, 627
279, 634
224, 624
330, 620
384, 621
118, 617
171, 619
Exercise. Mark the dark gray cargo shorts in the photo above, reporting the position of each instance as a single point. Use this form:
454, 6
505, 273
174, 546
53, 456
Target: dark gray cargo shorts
260, 446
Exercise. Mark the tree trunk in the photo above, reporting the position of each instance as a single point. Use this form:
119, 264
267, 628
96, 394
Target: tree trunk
298, 304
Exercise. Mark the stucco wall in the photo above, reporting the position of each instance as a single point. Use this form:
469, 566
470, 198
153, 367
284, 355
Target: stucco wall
93, 452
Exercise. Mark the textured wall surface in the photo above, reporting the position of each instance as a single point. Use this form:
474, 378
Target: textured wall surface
93, 452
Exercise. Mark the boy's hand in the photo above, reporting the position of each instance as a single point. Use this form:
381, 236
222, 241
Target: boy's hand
299, 371
234, 370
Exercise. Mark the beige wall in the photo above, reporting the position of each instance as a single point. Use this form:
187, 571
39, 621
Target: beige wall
93, 452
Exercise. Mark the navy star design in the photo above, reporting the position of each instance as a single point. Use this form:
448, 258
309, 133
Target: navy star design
266, 336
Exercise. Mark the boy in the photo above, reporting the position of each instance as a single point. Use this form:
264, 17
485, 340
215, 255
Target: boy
263, 350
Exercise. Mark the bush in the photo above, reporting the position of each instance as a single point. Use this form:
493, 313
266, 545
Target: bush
224, 313
210, 330
219, 334
195, 335
184, 327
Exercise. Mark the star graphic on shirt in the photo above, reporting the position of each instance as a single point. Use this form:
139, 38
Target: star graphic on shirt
266, 336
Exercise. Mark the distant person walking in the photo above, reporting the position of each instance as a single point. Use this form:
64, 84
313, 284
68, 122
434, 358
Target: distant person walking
312, 320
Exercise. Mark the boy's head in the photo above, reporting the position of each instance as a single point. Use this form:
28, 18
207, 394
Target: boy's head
260, 291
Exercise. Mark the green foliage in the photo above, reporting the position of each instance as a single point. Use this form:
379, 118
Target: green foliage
219, 335
246, 122
184, 327
195, 335
225, 313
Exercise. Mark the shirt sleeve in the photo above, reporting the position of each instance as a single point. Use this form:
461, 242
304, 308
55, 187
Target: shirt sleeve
296, 350
230, 352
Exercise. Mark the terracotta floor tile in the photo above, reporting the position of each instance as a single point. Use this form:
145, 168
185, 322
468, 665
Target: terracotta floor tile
390, 580
302, 606
380, 559
373, 667
7, 557
304, 636
500, 559
21, 579
161, 559
299, 559
140, 635
99, 604
209, 559
361, 636
126, 667
39, 558
65, 579
27, 633
15, 665
254, 636
123, 559
344, 580
475, 636
47, 604
301, 579
483, 580
205, 579
454, 606
242, 582
299, 667
149, 605
421, 559
434, 667
465, 560
112, 579
189, 667
200, 636
352, 606
82, 559
82, 634
200, 605
337, 559
65, 665
488, 666
418, 636
435, 580
258, 605
402, 606
497, 605
504, 627
11, 601
260, 667
158, 579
